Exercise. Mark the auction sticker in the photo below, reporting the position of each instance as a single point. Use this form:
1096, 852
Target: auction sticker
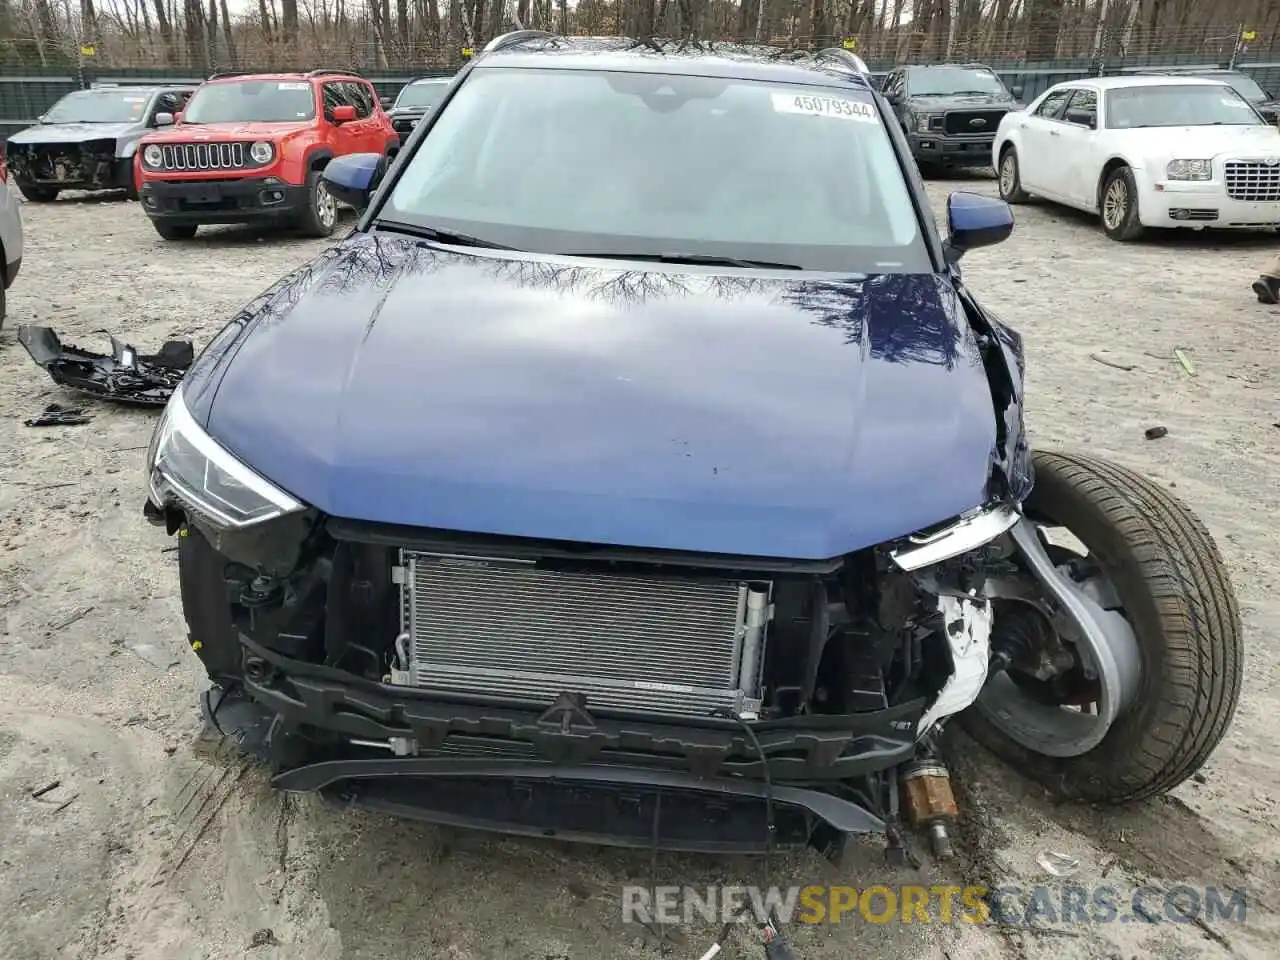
815, 106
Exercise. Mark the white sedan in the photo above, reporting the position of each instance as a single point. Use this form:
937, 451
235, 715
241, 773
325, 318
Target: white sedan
1144, 152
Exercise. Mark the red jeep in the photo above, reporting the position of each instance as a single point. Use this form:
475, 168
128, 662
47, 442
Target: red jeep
250, 147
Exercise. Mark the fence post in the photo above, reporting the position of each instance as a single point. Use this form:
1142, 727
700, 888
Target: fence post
1235, 47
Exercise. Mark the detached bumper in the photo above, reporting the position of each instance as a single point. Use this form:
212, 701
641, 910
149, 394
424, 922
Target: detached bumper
952, 151
1173, 203
560, 771
239, 200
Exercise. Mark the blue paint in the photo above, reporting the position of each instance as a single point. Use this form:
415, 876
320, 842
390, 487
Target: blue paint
974, 220
661, 408
351, 178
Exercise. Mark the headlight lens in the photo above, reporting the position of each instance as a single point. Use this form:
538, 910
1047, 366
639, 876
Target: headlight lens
261, 152
188, 466
1190, 170
926, 121
153, 156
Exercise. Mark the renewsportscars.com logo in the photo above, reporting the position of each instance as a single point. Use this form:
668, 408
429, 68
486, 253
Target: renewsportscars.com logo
1014, 905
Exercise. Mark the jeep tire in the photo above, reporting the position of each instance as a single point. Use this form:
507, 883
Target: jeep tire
37, 193
321, 214
174, 231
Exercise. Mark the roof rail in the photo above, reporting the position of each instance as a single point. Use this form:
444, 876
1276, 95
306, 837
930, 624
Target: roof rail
231, 73
516, 37
847, 57
327, 71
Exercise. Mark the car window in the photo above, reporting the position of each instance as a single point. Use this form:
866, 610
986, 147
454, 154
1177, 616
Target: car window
953, 81
171, 101
335, 95
360, 97
593, 162
424, 95
251, 101
100, 106
1178, 105
1082, 102
1051, 106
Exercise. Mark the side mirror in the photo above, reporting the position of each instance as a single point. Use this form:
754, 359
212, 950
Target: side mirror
387, 102
1016, 91
344, 114
974, 221
353, 178
1086, 118
164, 120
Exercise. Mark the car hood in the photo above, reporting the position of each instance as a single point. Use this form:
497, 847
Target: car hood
205, 132
72, 132
1172, 142
398, 383
939, 104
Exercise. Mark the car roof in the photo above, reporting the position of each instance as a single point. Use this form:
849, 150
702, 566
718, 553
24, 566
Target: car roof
296, 75
953, 66
689, 58
414, 83
1138, 80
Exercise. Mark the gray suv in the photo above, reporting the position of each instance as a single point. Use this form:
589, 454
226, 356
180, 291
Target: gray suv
86, 141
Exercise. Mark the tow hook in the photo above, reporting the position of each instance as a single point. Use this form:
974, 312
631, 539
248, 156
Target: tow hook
930, 803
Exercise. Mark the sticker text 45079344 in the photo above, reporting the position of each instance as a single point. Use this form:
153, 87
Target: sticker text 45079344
815, 106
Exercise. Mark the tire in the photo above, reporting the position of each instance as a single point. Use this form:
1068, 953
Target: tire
321, 216
38, 194
1009, 177
1124, 226
174, 231
131, 190
1174, 590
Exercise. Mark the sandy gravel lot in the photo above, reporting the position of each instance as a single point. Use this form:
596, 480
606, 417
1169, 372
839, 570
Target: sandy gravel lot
156, 845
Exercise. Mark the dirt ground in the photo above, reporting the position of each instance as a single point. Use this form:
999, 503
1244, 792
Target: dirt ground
156, 845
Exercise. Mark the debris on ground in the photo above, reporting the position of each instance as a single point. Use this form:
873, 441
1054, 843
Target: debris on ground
125, 375
1155, 433
1058, 864
47, 788
56, 415
1184, 361
1111, 363
263, 938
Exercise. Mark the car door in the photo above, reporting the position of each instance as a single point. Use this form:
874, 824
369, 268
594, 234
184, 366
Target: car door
892, 91
1038, 134
369, 130
342, 137
1074, 155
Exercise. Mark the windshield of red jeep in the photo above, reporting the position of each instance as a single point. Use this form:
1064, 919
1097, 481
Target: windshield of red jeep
252, 101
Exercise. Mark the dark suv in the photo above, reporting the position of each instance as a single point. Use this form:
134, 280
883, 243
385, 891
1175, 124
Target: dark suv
949, 112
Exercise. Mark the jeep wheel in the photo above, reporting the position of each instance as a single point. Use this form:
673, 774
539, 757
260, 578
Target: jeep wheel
321, 215
1136, 716
1119, 205
1010, 178
174, 231
38, 194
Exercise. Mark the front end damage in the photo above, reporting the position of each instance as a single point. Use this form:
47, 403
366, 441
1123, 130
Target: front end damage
88, 165
651, 698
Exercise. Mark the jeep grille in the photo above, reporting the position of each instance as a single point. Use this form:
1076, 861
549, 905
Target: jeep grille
203, 156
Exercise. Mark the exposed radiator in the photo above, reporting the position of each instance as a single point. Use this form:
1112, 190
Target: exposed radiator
510, 629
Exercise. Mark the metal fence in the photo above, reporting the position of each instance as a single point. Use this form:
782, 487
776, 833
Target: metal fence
1070, 53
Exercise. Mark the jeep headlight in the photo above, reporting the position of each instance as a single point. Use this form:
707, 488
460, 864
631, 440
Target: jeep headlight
153, 156
927, 121
261, 152
1189, 170
189, 468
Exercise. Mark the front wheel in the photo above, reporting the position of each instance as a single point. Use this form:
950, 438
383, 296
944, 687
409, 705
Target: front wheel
1010, 178
174, 231
1153, 575
321, 214
37, 193
1120, 206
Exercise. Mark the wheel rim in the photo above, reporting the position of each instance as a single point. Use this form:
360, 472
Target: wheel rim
326, 206
1058, 729
1115, 204
1008, 173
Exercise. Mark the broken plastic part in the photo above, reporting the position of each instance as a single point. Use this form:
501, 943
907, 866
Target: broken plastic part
55, 414
125, 375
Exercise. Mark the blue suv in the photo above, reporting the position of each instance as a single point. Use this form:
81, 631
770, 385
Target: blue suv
641, 470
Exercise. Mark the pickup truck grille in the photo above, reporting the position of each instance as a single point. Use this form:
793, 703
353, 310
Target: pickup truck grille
964, 121
513, 630
1253, 180
203, 156
404, 124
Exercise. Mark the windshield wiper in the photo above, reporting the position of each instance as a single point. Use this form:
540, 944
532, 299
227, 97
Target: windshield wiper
698, 259
440, 236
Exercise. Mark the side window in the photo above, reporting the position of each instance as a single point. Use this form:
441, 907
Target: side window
1051, 106
169, 102
1083, 108
335, 95
361, 97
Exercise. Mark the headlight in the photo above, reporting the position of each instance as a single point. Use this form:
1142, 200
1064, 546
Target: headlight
153, 156
261, 152
970, 531
187, 466
925, 121
1190, 170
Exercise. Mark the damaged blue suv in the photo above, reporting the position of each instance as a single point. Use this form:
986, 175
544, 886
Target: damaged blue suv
640, 470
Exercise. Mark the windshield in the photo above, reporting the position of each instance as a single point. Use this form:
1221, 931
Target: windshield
652, 165
422, 94
99, 106
263, 101
1178, 105
1246, 87
949, 81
